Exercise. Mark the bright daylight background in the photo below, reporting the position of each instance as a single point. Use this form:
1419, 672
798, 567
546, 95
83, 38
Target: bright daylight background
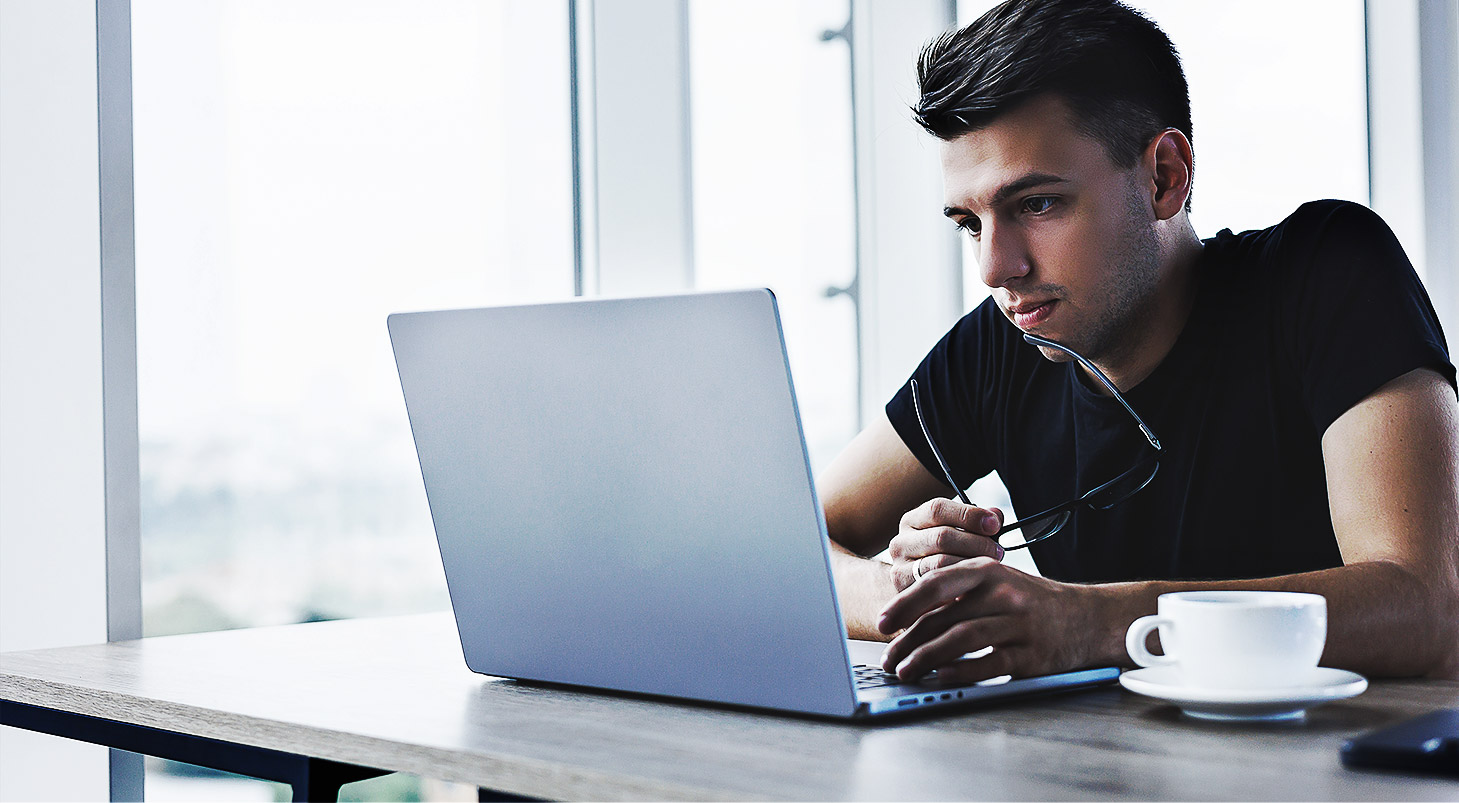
305, 167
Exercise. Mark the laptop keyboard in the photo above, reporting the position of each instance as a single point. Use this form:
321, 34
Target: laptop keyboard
870, 677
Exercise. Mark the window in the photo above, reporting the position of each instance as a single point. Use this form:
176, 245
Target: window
302, 170
1279, 109
774, 203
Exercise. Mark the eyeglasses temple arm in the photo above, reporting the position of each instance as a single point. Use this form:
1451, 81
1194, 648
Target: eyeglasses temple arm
926, 433
1104, 380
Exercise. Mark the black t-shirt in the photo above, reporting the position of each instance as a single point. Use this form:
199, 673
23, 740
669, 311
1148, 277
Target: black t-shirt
1291, 326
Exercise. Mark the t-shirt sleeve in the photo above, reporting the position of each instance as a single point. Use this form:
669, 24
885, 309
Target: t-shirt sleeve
948, 383
1354, 313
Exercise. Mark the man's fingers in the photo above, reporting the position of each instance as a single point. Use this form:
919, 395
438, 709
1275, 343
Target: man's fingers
939, 533
932, 562
942, 638
934, 590
941, 540
952, 513
1000, 661
907, 572
912, 544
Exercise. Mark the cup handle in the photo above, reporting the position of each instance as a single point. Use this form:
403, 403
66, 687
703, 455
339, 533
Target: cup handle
1135, 641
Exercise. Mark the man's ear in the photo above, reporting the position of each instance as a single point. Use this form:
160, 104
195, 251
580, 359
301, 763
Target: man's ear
1170, 165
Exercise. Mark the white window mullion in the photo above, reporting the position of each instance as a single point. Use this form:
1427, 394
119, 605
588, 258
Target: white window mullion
1438, 73
119, 351
634, 147
119, 322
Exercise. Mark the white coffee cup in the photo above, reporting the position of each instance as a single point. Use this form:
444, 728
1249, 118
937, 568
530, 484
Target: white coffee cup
1235, 639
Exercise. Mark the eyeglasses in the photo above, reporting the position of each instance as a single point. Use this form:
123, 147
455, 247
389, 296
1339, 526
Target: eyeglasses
1103, 497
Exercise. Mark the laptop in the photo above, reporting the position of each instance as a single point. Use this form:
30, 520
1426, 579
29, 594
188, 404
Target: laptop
623, 501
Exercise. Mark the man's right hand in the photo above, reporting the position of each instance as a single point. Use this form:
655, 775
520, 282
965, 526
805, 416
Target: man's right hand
941, 532
867, 491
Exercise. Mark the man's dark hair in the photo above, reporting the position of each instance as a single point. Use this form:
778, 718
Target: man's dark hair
1115, 69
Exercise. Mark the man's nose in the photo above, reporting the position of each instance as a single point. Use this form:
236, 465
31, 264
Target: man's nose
1002, 256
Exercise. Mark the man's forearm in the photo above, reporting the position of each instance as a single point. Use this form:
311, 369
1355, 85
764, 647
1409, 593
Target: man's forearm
1384, 620
862, 587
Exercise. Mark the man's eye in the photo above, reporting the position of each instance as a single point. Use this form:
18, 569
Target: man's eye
971, 225
1039, 204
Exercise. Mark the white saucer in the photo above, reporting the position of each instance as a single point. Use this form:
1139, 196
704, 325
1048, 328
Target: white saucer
1230, 705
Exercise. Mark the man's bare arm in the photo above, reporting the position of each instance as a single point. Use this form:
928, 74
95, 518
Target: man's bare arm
1392, 465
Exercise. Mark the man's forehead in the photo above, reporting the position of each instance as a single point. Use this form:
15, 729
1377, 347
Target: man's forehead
1036, 138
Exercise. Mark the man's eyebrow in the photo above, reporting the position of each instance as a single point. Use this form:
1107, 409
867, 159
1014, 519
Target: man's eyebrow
1010, 189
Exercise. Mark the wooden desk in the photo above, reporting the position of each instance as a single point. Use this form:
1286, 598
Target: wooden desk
394, 694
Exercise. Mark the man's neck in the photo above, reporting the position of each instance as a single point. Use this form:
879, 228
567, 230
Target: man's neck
1162, 321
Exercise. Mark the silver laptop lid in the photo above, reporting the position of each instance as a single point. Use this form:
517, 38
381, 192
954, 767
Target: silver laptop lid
623, 500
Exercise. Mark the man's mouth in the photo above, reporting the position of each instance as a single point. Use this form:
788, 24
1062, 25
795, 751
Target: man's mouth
1030, 314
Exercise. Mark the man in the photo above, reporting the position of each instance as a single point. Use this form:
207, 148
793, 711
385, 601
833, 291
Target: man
1299, 393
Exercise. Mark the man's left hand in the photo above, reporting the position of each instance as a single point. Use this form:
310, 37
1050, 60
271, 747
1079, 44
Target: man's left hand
1034, 625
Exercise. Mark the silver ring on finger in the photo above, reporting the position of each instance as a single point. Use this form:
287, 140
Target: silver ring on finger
917, 570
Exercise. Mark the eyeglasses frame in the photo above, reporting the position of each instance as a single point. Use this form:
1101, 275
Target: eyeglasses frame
1088, 497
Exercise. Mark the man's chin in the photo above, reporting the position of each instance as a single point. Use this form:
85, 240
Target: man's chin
1052, 355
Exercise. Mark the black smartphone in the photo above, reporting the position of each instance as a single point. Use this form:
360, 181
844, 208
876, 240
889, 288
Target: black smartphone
1429, 743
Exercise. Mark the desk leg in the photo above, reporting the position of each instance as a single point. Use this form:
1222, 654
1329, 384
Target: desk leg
312, 779
127, 776
320, 779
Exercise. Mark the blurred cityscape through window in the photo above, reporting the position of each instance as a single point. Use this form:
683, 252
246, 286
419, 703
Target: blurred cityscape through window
304, 169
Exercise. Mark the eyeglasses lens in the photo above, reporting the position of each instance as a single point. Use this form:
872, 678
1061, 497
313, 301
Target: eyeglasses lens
1043, 528
1124, 486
